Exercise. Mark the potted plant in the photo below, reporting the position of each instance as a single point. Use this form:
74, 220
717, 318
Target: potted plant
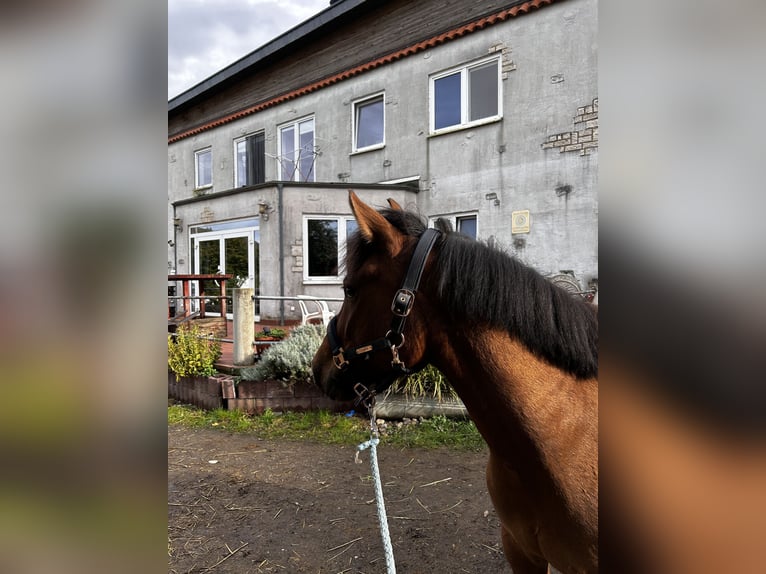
425, 393
267, 336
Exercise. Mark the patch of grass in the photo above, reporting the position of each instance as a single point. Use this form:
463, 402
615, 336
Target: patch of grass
439, 431
330, 428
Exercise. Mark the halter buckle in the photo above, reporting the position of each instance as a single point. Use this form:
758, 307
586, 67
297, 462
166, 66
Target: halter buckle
402, 303
339, 360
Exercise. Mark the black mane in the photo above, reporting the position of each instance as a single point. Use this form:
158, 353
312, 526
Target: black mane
482, 285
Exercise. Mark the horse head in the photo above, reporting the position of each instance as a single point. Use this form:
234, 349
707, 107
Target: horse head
378, 335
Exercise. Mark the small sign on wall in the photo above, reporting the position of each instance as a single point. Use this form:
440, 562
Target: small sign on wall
520, 221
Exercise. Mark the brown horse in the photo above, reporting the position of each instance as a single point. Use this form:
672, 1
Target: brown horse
520, 352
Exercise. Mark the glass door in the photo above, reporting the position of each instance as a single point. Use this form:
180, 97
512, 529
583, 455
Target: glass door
236, 256
233, 253
209, 263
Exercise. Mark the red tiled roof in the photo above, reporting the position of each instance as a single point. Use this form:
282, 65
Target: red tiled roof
387, 59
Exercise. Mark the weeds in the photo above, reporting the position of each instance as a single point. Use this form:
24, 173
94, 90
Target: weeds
329, 428
428, 382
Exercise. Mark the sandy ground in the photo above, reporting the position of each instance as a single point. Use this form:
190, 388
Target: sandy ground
291, 507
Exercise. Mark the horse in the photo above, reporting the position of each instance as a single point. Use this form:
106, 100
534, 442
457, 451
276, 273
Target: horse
520, 352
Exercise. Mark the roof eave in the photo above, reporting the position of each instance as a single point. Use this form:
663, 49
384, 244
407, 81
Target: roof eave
282, 42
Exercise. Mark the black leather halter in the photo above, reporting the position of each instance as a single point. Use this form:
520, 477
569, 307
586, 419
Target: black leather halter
400, 307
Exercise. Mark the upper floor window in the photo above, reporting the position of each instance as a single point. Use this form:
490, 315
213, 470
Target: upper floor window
203, 168
297, 153
369, 123
250, 160
466, 96
465, 223
324, 246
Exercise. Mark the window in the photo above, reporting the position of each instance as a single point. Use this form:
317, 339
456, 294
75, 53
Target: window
250, 160
466, 96
296, 151
465, 223
369, 123
203, 168
324, 246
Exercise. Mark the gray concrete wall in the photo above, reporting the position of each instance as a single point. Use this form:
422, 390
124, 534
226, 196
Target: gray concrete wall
297, 201
550, 59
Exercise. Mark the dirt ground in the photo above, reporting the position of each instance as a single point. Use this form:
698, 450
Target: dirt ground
292, 507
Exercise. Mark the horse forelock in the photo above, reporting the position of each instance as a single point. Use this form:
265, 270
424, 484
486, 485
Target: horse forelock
482, 285
358, 250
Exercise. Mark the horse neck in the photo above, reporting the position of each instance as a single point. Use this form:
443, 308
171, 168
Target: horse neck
527, 410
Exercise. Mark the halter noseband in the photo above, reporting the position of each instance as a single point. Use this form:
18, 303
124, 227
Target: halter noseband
401, 306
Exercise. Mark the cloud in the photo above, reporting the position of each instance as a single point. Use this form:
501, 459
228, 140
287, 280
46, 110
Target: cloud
204, 37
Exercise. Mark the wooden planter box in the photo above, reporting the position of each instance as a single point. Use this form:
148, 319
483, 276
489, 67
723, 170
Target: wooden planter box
254, 397
203, 392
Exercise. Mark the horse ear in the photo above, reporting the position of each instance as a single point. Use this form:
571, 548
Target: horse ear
373, 227
393, 204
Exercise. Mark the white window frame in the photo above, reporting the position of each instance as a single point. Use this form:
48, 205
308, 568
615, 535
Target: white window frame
221, 231
296, 125
453, 217
355, 105
197, 155
237, 141
342, 238
464, 92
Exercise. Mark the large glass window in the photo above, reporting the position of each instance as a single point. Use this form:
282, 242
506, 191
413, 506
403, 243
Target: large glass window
297, 153
250, 160
203, 168
324, 246
369, 123
466, 96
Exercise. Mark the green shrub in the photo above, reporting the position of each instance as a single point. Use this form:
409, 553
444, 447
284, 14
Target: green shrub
289, 360
190, 353
426, 382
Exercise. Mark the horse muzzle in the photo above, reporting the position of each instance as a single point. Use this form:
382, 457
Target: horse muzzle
341, 384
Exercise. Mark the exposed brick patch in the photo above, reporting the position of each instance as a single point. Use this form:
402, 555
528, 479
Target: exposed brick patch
507, 64
582, 140
296, 252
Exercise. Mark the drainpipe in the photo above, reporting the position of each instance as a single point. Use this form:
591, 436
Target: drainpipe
175, 242
280, 213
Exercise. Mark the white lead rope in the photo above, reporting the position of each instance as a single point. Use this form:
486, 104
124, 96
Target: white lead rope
382, 519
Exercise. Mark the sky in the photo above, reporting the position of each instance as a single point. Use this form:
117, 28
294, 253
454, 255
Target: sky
205, 36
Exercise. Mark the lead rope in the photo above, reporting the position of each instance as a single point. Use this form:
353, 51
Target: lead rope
368, 400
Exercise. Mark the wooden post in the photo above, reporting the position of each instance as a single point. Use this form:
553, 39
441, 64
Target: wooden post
187, 294
244, 326
223, 297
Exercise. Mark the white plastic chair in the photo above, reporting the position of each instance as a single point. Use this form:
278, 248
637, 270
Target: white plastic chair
322, 313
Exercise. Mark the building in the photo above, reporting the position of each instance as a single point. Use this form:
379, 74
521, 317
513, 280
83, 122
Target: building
482, 112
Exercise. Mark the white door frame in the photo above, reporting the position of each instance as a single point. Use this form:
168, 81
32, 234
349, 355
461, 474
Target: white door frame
221, 236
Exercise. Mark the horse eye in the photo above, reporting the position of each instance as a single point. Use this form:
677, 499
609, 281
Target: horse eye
349, 292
